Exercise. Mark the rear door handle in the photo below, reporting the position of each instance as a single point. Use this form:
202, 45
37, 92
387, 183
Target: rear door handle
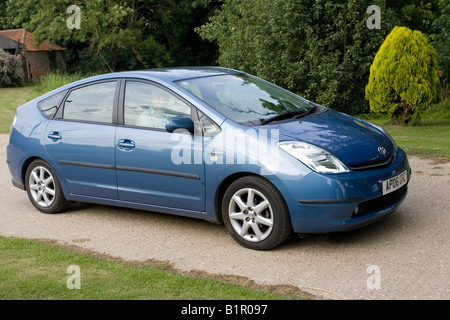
55, 136
126, 144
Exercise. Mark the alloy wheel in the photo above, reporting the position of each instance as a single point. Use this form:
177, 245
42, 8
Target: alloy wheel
42, 186
251, 214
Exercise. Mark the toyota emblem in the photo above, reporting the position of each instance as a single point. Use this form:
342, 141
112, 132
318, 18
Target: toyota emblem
382, 151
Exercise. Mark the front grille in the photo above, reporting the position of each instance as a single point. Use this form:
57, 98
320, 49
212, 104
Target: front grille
379, 203
373, 164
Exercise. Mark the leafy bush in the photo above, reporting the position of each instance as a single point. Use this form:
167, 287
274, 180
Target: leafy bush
403, 77
11, 71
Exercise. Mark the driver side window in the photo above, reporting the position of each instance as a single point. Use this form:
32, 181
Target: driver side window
149, 106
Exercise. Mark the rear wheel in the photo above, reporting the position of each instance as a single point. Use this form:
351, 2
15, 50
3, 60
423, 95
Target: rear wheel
43, 188
255, 213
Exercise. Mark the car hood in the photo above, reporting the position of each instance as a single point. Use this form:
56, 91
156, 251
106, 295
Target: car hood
352, 140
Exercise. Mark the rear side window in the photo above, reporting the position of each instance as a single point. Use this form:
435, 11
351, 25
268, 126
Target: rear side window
93, 103
49, 106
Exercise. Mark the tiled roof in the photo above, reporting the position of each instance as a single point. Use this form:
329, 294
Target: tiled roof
26, 37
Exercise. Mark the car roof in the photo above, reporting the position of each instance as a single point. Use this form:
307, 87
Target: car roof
182, 73
163, 75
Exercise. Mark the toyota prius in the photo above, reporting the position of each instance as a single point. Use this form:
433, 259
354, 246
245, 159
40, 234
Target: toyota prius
209, 143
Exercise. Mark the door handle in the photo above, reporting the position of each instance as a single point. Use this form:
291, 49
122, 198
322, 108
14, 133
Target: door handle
126, 144
55, 136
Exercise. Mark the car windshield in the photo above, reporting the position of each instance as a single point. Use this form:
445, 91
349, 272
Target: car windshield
246, 99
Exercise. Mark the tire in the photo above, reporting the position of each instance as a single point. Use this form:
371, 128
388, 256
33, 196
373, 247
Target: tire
255, 213
43, 188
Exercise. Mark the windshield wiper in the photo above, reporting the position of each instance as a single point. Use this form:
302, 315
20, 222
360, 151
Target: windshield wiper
289, 115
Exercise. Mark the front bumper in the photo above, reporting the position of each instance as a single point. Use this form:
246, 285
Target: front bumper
321, 203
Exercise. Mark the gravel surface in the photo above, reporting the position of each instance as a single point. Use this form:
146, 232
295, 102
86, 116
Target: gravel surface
405, 256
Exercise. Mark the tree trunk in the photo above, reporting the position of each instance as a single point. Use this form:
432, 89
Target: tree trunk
407, 111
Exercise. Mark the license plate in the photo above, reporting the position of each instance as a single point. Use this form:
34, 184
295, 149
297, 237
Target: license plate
394, 183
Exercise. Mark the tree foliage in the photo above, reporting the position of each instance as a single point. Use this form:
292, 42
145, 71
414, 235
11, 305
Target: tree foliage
126, 34
319, 49
403, 77
440, 36
414, 14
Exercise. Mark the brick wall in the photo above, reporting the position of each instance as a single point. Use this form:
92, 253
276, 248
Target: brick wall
39, 64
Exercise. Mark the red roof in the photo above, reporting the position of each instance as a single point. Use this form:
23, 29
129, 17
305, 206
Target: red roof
26, 37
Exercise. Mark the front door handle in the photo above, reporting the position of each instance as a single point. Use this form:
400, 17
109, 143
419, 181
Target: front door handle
126, 144
55, 136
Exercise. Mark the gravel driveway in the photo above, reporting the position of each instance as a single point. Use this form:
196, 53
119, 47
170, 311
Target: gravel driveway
405, 256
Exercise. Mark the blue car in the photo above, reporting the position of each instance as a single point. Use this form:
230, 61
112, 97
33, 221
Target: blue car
210, 143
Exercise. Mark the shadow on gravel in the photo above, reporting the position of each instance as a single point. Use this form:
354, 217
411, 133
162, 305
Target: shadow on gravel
373, 234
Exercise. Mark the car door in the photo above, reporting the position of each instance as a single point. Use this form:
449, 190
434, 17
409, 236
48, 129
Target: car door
80, 139
155, 167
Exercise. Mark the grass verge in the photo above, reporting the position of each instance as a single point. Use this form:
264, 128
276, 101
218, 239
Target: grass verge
35, 270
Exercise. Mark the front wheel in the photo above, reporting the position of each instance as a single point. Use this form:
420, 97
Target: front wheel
255, 213
43, 188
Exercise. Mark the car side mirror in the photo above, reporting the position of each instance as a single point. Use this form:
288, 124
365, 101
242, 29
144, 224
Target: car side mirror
176, 123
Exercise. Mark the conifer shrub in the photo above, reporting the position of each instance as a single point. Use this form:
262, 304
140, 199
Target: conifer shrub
403, 76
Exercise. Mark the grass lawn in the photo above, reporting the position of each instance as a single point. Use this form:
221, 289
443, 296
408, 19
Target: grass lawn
31, 270
431, 138
10, 99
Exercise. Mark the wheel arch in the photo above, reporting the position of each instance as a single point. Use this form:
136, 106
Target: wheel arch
58, 202
25, 166
223, 186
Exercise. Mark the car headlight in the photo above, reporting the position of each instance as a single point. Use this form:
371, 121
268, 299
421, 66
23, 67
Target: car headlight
314, 157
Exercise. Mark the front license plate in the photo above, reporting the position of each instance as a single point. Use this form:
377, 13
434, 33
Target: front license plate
394, 183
